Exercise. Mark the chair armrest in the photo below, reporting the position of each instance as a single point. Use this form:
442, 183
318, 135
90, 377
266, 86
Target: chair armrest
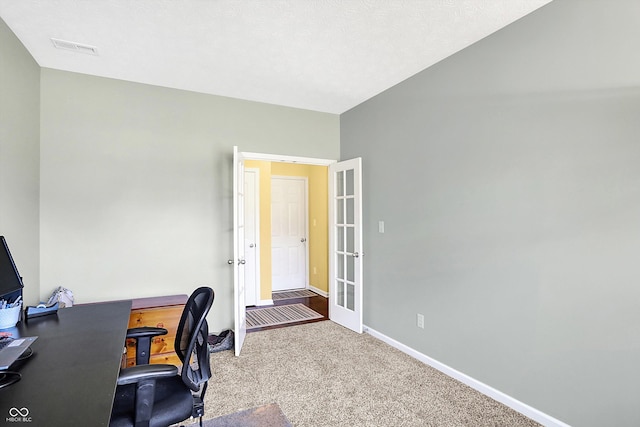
143, 336
145, 331
136, 374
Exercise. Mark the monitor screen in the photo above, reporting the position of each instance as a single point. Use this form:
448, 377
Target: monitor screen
10, 280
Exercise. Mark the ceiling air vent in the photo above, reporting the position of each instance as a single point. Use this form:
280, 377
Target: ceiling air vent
77, 47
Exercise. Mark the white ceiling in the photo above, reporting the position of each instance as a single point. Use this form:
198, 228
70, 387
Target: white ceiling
322, 55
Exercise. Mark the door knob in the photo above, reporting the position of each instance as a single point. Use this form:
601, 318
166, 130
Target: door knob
241, 261
303, 240
230, 262
251, 245
355, 255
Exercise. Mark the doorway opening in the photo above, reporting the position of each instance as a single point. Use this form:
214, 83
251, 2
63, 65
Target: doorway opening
344, 235
287, 232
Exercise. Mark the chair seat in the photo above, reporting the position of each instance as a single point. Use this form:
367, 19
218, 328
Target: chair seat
173, 403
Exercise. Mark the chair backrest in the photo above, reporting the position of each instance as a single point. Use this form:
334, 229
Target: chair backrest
191, 343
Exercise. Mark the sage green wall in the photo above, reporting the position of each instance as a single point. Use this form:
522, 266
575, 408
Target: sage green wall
136, 195
508, 178
19, 158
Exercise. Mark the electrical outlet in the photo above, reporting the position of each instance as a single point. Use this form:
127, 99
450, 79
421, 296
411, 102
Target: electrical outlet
420, 320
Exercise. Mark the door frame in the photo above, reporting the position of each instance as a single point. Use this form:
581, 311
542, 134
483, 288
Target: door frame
240, 157
287, 159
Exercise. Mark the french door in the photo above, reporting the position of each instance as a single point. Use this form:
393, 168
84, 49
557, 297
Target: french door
238, 261
345, 243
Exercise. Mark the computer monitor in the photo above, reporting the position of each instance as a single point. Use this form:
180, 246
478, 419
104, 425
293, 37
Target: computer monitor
10, 280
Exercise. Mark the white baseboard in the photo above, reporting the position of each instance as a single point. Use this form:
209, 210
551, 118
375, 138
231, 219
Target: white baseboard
265, 302
497, 395
318, 291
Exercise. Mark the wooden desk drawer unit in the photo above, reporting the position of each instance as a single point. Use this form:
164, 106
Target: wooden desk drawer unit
161, 312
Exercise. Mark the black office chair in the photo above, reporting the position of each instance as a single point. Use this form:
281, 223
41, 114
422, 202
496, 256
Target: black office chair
161, 395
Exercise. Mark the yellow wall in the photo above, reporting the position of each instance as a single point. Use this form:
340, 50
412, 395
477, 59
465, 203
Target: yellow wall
318, 221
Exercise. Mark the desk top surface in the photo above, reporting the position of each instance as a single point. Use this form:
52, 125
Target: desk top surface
71, 377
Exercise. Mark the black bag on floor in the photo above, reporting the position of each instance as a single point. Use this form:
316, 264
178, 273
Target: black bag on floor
221, 342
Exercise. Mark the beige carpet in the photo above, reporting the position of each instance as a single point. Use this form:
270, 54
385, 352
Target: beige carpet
323, 375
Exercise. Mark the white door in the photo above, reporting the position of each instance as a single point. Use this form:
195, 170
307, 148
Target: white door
238, 261
251, 235
345, 243
288, 233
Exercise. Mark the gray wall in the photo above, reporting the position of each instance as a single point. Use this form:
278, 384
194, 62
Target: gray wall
136, 184
19, 157
508, 178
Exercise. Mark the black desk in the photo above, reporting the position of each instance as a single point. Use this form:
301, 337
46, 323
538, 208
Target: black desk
70, 379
